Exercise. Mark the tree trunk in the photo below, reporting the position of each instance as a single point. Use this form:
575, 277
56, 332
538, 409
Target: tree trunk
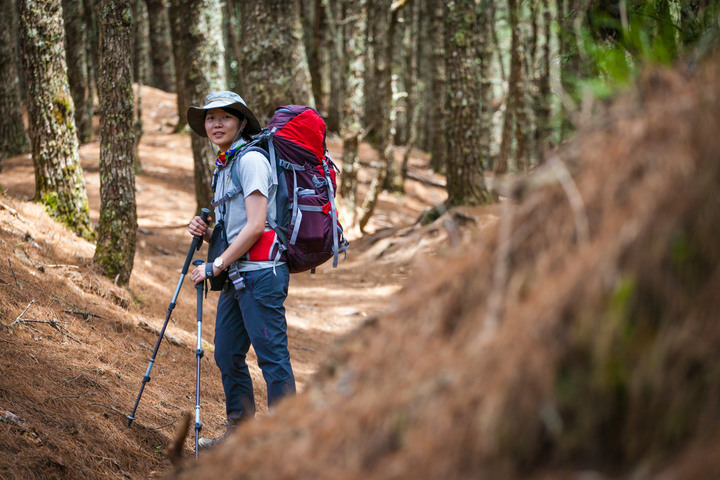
117, 231
13, 139
140, 64
334, 19
278, 73
160, 45
351, 128
59, 183
91, 48
177, 35
76, 54
436, 104
412, 40
425, 70
232, 46
485, 56
514, 103
544, 130
315, 36
141, 46
204, 73
465, 178
385, 22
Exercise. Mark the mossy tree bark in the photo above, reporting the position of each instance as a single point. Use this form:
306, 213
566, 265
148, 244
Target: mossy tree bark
351, 128
117, 232
204, 72
76, 55
465, 179
59, 182
160, 49
13, 139
274, 68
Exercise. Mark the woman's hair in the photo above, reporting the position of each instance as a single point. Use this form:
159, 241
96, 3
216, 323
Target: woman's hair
233, 112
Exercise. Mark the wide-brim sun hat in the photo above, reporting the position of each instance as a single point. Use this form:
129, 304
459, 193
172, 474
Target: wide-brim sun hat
224, 99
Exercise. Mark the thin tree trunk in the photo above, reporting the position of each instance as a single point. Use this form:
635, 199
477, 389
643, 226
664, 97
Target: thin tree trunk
351, 129
76, 53
425, 68
233, 27
13, 139
385, 21
334, 17
92, 48
59, 182
177, 35
278, 73
117, 231
485, 57
316, 32
160, 49
204, 64
544, 129
435, 109
142, 72
140, 65
514, 100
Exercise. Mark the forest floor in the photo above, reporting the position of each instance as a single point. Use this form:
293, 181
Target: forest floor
75, 347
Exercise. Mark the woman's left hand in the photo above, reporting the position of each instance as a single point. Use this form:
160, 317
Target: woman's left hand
198, 275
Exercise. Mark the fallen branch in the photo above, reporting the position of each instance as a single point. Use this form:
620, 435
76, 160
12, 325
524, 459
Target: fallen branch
82, 313
23, 312
15, 277
13, 212
149, 328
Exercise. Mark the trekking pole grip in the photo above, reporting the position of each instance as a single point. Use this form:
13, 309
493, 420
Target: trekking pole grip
196, 243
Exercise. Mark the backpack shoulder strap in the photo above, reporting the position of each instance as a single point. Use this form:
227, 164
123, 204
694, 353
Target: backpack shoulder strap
234, 166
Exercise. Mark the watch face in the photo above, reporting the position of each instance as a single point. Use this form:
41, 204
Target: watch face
218, 262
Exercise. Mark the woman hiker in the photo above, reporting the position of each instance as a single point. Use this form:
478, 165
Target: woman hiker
254, 314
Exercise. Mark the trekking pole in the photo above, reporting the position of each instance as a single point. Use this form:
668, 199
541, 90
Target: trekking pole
196, 244
199, 354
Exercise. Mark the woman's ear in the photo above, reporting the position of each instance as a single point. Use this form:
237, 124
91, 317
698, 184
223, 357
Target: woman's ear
242, 125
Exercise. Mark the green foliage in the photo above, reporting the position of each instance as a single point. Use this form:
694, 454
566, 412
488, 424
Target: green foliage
614, 43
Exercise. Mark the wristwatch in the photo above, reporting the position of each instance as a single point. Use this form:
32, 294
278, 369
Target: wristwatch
218, 263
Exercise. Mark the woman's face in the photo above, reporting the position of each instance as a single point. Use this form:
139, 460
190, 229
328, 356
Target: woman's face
221, 127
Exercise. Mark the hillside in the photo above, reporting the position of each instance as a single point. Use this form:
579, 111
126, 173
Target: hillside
574, 338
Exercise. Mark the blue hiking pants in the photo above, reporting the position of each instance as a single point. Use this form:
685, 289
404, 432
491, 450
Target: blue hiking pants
254, 315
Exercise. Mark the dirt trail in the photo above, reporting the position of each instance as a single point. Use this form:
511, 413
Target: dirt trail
87, 366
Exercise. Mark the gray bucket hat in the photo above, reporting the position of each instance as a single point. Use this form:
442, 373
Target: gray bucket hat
196, 115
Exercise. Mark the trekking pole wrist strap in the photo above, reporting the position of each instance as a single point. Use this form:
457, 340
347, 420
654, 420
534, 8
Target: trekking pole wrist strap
208, 270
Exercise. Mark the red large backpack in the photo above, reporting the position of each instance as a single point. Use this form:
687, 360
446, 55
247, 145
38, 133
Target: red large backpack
307, 229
